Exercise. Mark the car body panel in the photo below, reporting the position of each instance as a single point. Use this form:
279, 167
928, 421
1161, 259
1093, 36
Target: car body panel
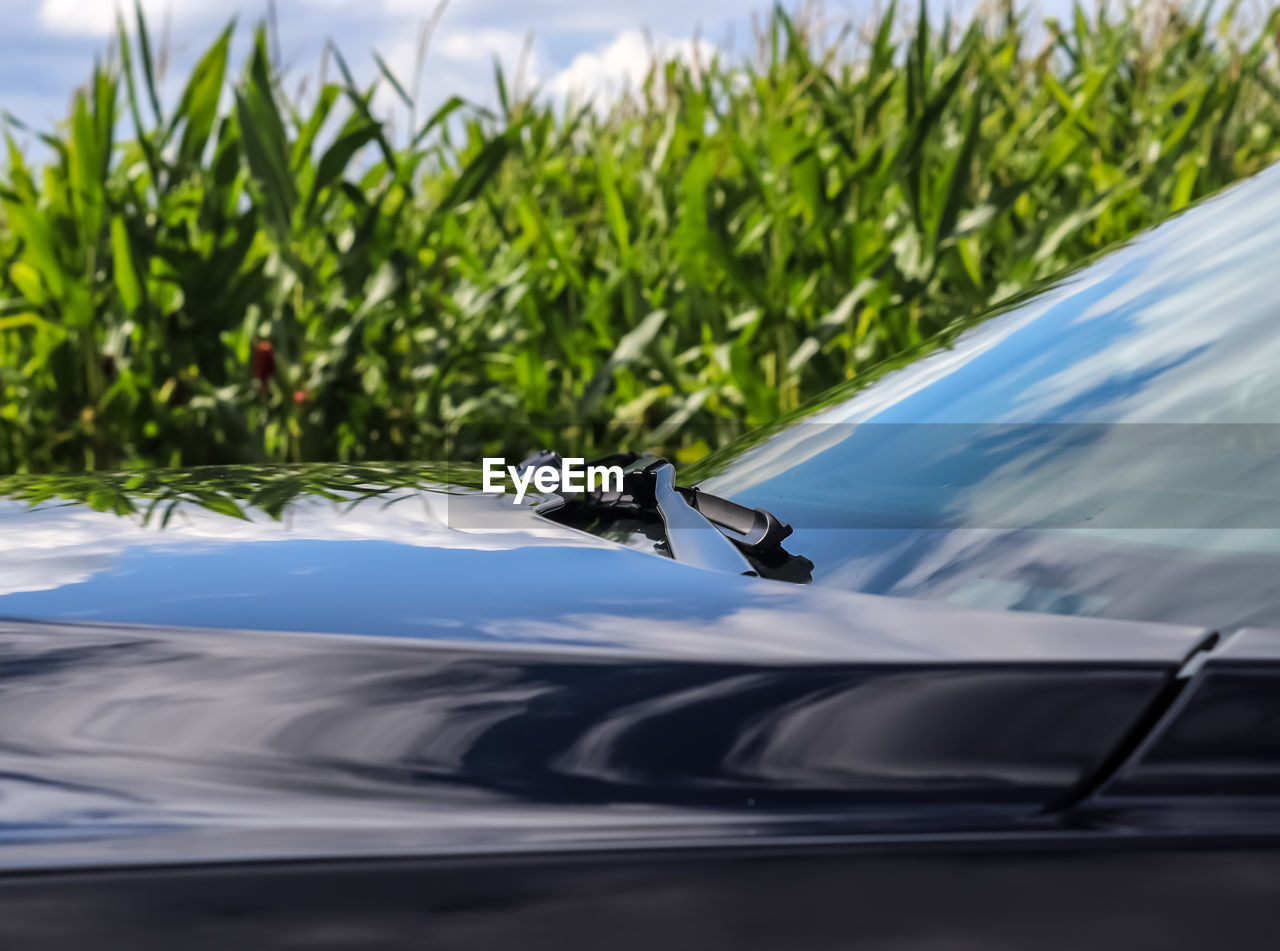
1212, 763
1010, 896
450, 673
443, 562
369, 706
154, 743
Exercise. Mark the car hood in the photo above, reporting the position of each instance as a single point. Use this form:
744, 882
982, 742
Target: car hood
418, 552
335, 661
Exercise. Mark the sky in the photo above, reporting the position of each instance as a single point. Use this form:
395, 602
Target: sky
587, 49
583, 47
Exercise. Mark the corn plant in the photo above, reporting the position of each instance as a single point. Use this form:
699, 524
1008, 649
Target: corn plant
250, 277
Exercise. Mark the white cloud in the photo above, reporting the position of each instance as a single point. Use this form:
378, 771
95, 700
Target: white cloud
507, 45
601, 76
98, 17
573, 17
61, 546
592, 53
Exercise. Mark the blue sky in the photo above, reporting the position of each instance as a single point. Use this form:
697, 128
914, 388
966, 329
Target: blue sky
48, 46
588, 47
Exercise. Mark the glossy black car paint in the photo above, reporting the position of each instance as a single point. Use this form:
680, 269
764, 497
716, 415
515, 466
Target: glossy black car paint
332, 707
1216, 752
1006, 896
133, 744
639, 724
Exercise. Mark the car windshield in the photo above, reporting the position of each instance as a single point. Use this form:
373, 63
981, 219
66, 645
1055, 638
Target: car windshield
1107, 447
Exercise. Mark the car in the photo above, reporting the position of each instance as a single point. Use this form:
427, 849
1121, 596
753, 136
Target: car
982, 651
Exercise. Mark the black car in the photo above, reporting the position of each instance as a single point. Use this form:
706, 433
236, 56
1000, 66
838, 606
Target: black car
983, 653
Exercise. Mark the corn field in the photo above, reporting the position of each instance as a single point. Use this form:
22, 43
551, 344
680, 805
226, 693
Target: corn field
250, 277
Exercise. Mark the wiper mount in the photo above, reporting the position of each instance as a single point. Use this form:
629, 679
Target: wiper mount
686, 513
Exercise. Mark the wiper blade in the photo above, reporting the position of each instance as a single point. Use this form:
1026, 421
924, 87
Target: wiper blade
756, 530
686, 513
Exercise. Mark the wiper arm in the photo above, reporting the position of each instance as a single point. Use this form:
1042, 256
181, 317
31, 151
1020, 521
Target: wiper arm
691, 536
687, 514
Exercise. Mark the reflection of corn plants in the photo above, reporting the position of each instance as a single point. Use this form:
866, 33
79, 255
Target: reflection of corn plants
246, 278
151, 497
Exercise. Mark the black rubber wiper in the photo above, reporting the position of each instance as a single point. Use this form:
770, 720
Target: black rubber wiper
700, 528
755, 530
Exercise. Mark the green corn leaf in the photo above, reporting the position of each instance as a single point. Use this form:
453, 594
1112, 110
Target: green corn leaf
613, 209
956, 178
310, 129
629, 349
24, 319
148, 61
360, 102
124, 269
220, 503
199, 104
337, 157
33, 230
265, 145
441, 115
85, 172
391, 78
141, 135
476, 175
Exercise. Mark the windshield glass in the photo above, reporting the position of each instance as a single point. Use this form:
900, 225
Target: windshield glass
1108, 447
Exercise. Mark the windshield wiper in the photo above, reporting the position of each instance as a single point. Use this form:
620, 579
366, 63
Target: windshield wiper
691, 536
700, 528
